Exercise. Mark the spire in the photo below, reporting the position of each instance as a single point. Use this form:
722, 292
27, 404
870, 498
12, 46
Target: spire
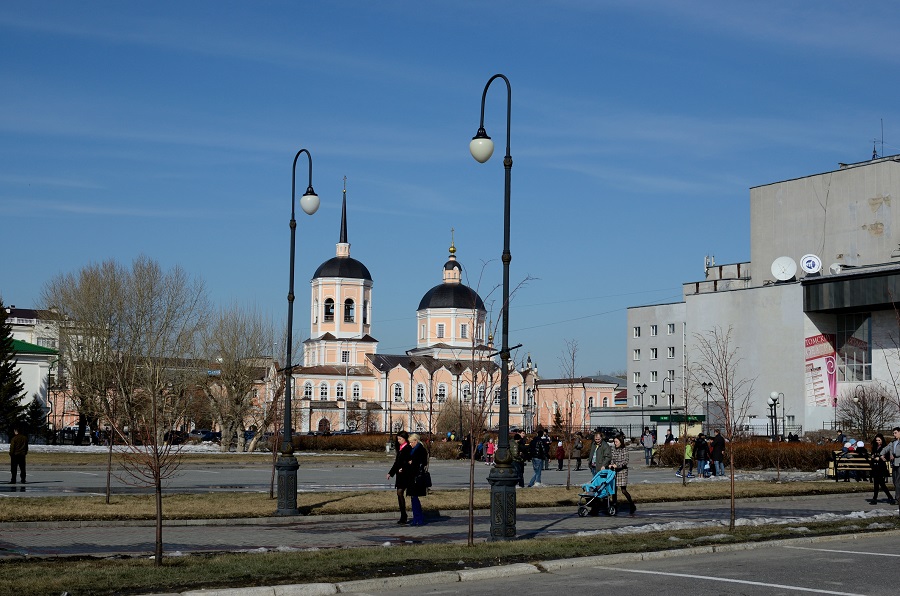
343, 239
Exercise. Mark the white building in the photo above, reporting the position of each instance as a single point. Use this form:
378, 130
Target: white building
813, 313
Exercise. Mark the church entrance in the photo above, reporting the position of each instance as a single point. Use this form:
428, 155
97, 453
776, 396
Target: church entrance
324, 425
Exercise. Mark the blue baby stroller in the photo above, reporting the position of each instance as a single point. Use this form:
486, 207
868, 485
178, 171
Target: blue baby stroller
598, 494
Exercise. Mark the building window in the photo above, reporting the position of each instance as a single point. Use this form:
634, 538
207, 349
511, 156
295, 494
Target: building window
480, 394
422, 331
514, 396
356, 391
653, 376
637, 355
671, 329
365, 312
339, 391
497, 395
464, 331
47, 342
605, 402
654, 400
345, 356
307, 390
440, 330
636, 400
323, 391
529, 396
398, 392
636, 376
442, 393
652, 353
637, 332
671, 398
671, 352
853, 347
349, 311
329, 310
671, 375
652, 330
420, 393
591, 402
467, 393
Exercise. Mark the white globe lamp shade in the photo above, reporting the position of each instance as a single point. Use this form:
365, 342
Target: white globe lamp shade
481, 148
309, 202
774, 395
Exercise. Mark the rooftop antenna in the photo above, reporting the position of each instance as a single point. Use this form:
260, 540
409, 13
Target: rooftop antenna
875, 143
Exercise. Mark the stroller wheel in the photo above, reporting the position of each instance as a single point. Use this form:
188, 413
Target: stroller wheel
612, 510
582, 511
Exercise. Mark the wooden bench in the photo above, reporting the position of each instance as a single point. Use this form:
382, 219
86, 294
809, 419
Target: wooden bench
848, 462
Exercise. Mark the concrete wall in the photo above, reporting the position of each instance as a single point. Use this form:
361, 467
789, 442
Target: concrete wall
845, 216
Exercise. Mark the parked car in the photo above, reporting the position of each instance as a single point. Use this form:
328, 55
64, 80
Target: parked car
175, 437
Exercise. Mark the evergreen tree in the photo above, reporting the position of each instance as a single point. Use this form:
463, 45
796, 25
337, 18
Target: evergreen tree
35, 418
11, 385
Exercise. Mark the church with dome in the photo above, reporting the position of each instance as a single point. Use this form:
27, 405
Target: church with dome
451, 374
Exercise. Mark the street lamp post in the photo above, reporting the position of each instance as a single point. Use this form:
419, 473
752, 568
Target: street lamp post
641, 389
707, 387
773, 407
502, 476
286, 464
668, 397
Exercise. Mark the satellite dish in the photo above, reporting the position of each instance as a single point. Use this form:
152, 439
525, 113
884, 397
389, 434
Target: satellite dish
810, 263
784, 268
835, 268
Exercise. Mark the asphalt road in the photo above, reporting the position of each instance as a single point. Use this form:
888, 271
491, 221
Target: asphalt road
865, 566
315, 474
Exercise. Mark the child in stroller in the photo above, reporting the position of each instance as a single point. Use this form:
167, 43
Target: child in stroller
598, 494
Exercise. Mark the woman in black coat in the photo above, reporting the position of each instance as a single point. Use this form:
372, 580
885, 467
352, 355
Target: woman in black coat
418, 464
403, 471
879, 470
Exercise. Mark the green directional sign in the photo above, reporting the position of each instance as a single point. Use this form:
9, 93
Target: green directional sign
689, 418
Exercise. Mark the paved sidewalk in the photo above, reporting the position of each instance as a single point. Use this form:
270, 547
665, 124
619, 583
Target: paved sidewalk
39, 539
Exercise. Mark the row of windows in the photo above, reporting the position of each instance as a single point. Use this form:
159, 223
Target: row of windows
349, 311
652, 400
654, 354
441, 331
654, 330
323, 390
466, 393
654, 376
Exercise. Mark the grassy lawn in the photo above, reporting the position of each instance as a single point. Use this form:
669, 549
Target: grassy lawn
240, 505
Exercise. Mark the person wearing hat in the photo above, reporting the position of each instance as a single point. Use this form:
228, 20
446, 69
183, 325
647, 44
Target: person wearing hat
892, 454
862, 453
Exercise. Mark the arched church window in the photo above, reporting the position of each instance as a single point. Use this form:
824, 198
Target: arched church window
605, 402
442, 393
497, 395
467, 393
398, 392
329, 309
339, 391
365, 312
481, 394
349, 311
591, 402
307, 390
529, 395
420, 393
356, 391
514, 396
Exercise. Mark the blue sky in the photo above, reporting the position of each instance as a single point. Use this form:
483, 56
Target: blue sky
169, 128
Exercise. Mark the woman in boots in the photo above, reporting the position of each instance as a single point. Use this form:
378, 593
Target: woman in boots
879, 470
620, 466
403, 471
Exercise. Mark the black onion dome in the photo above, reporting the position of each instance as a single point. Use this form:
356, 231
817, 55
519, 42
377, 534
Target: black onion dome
451, 296
452, 264
347, 267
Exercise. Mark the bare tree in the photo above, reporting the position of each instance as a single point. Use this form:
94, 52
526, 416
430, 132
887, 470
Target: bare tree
232, 344
567, 362
131, 337
718, 361
867, 409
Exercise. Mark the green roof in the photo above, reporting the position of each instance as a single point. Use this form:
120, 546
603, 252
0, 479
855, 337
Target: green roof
23, 347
